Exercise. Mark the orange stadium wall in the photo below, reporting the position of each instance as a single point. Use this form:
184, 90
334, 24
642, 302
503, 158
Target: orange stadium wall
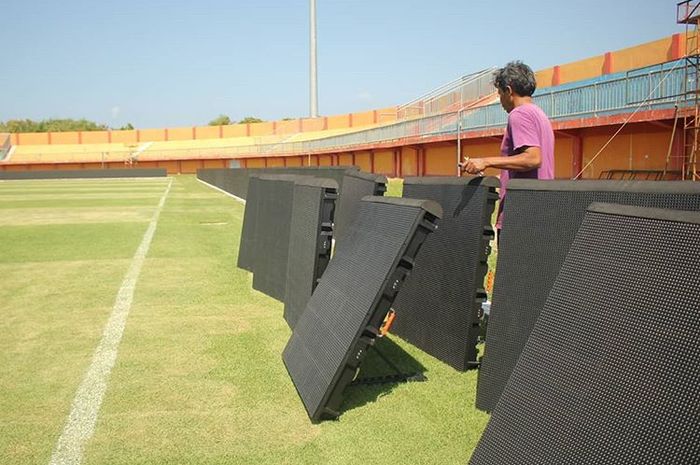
65, 137
338, 122
563, 158
294, 161
235, 130
189, 166
70, 166
39, 138
208, 132
150, 135
616, 155
384, 163
345, 159
275, 162
409, 162
215, 163
641, 148
348, 120
441, 160
387, 115
179, 133
260, 129
363, 161
123, 137
313, 124
95, 137
647, 54
255, 163
171, 166
644, 150
43, 167
582, 70
366, 118
488, 148
287, 127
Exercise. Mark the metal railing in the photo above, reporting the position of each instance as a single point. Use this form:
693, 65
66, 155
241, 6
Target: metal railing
449, 97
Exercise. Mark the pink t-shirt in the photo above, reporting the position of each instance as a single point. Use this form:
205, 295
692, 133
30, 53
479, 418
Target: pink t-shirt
527, 126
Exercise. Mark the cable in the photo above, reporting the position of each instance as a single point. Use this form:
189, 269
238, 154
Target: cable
673, 136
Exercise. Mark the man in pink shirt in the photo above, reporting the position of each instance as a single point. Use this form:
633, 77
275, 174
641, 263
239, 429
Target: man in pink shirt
527, 150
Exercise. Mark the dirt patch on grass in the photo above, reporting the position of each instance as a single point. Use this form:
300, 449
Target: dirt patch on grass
83, 195
39, 216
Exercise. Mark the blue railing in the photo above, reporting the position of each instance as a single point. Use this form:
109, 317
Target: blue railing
656, 87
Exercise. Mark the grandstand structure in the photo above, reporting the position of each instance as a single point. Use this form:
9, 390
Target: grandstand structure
615, 115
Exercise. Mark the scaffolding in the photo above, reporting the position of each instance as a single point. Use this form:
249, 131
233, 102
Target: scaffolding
688, 13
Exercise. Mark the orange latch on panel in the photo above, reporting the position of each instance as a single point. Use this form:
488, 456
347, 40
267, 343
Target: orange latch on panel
386, 325
489, 281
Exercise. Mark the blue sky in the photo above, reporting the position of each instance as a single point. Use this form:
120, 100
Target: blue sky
182, 63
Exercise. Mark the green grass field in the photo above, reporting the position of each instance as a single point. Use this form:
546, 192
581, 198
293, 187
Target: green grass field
198, 377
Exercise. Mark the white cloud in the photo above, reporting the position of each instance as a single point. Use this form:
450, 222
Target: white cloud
115, 111
364, 95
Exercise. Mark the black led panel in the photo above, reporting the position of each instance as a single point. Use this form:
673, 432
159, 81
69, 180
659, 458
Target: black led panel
309, 242
540, 221
610, 372
335, 173
355, 186
344, 313
276, 194
232, 180
235, 180
246, 249
439, 307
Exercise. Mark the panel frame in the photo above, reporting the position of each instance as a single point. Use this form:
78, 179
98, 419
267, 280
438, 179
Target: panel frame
427, 331
425, 222
513, 334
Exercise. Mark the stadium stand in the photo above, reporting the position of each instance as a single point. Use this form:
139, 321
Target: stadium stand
72, 153
586, 100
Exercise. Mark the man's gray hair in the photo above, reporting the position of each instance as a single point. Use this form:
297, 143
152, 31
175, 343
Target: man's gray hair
518, 76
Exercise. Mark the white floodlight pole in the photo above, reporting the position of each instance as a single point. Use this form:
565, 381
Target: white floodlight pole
313, 77
459, 142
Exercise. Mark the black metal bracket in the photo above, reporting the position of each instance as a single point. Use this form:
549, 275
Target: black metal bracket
397, 377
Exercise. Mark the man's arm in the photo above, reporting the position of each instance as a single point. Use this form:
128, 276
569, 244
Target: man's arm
528, 158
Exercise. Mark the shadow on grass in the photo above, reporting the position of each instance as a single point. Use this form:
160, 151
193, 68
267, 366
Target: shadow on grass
357, 395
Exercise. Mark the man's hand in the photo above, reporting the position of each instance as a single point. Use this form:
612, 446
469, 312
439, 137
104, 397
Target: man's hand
475, 166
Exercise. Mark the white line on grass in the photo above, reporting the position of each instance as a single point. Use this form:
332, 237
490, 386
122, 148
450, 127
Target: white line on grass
86, 405
222, 191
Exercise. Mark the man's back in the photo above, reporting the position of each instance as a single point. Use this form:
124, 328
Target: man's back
528, 126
